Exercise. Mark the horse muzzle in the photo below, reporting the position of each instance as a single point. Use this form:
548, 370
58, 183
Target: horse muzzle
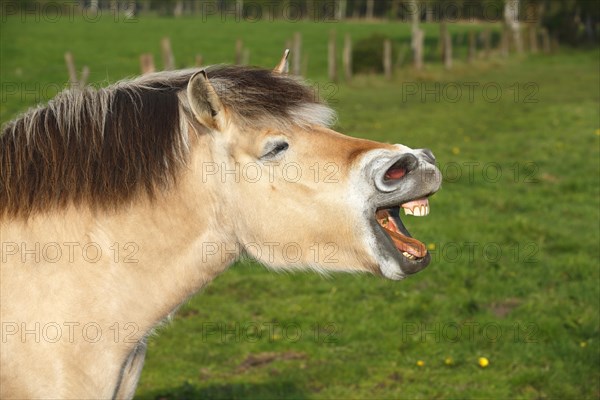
402, 182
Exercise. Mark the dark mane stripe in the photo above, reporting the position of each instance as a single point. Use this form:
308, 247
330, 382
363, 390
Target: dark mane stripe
103, 147
63, 153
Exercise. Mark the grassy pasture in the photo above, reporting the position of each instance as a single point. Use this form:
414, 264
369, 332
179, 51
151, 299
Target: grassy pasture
514, 230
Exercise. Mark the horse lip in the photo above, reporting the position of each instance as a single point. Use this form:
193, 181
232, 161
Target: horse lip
413, 266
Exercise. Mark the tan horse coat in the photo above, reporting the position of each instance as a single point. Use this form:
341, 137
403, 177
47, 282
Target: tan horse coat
86, 276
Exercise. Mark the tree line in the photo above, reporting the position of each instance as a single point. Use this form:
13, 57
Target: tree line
573, 22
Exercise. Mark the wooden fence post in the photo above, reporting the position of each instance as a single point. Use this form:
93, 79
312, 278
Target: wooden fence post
369, 12
71, 69
331, 57
239, 46
297, 53
387, 59
518, 38
167, 54
446, 40
504, 42
545, 41
512, 24
239, 10
439, 47
73, 80
487, 42
472, 47
147, 63
448, 52
419, 36
178, 9
85, 74
347, 57
533, 39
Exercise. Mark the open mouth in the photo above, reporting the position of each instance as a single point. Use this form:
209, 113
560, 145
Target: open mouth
389, 220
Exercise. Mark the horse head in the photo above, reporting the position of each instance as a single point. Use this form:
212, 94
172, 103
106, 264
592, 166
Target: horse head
294, 193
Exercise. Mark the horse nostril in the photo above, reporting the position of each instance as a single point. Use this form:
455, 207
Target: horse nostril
401, 167
428, 155
394, 173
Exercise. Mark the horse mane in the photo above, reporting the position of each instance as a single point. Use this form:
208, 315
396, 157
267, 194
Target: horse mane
104, 147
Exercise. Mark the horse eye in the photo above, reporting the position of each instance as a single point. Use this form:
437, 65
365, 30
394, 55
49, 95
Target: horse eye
278, 148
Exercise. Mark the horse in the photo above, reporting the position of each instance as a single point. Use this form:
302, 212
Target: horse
118, 204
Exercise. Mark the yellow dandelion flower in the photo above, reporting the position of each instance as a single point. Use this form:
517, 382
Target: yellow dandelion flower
582, 344
483, 362
455, 150
449, 361
431, 246
598, 132
420, 363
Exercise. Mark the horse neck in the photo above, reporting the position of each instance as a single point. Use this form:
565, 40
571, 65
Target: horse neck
153, 254
178, 244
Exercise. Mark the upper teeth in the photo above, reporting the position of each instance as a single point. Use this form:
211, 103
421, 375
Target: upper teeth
417, 211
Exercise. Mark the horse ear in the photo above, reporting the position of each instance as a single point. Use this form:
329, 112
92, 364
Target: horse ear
282, 67
204, 101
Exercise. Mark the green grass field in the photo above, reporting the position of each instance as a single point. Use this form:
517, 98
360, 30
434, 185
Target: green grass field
514, 230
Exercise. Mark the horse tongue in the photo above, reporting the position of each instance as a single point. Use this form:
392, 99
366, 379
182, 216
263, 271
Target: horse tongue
402, 242
408, 244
